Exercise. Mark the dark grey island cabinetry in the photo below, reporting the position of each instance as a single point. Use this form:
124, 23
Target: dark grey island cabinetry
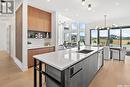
68, 68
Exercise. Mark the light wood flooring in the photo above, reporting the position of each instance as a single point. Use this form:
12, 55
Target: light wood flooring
113, 74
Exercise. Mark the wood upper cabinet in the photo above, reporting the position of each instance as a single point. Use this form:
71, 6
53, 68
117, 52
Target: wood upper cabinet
32, 18
32, 52
39, 20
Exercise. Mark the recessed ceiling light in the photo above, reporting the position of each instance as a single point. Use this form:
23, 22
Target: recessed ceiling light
48, 0
96, 27
114, 25
77, 15
93, 11
66, 9
108, 28
117, 4
100, 28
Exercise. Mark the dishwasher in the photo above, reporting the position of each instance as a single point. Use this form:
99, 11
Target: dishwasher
73, 76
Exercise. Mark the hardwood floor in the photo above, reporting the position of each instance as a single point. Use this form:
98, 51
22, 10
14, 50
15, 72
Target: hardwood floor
113, 73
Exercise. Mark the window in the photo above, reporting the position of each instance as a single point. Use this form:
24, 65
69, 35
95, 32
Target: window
74, 26
75, 34
82, 28
94, 37
103, 37
82, 38
66, 37
114, 38
74, 39
126, 38
118, 37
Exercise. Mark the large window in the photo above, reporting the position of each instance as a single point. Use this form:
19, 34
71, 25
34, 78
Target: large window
74, 34
67, 37
119, 37
126, 38
103, 37
94, 37
114, 37
74, 26
74, 39
82, 28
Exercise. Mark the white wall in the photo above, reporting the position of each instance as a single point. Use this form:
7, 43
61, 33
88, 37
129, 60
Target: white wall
3, 36
123, 21
4, 33
17, 3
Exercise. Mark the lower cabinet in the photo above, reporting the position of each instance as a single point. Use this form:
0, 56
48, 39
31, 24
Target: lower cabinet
100, 58
89, 69
32, 52
72, 76
86, 73
77, 75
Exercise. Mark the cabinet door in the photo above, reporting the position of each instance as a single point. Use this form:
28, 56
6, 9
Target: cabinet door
93, 65
76, 80
33, 52
47, 22
40, 21
86, 73
100, 59
89, 69
32, 18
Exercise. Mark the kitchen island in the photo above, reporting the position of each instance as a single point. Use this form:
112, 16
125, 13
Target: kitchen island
70, 67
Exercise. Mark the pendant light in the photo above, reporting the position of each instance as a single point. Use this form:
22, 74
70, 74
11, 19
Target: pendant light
89, 6
83, 2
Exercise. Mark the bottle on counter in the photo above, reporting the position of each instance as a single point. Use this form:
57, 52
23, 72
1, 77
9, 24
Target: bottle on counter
47, 35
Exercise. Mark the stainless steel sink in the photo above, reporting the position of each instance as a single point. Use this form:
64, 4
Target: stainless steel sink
84, 51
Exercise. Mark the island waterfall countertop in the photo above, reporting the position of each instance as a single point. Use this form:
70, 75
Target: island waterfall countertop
65, 58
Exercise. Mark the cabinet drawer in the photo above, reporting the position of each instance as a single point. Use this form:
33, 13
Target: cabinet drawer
53, 73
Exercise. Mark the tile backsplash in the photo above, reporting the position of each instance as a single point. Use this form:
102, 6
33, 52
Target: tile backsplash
38, 42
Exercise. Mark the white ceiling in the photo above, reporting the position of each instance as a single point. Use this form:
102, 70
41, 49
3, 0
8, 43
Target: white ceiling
114, 9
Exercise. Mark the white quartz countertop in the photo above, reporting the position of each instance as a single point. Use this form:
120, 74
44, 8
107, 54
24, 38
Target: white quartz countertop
36, 47
65, 58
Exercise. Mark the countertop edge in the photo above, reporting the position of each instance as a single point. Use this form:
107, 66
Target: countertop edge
40, 47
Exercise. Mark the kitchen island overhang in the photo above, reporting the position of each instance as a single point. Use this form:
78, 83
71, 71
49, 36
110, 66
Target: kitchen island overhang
61, 62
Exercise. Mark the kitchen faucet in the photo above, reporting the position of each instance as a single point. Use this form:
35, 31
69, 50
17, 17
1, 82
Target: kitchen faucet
79, 44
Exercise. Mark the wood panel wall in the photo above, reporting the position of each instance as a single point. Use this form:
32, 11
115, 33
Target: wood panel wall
18, 36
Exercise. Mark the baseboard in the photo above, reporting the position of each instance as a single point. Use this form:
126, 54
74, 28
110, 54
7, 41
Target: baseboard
19, 64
